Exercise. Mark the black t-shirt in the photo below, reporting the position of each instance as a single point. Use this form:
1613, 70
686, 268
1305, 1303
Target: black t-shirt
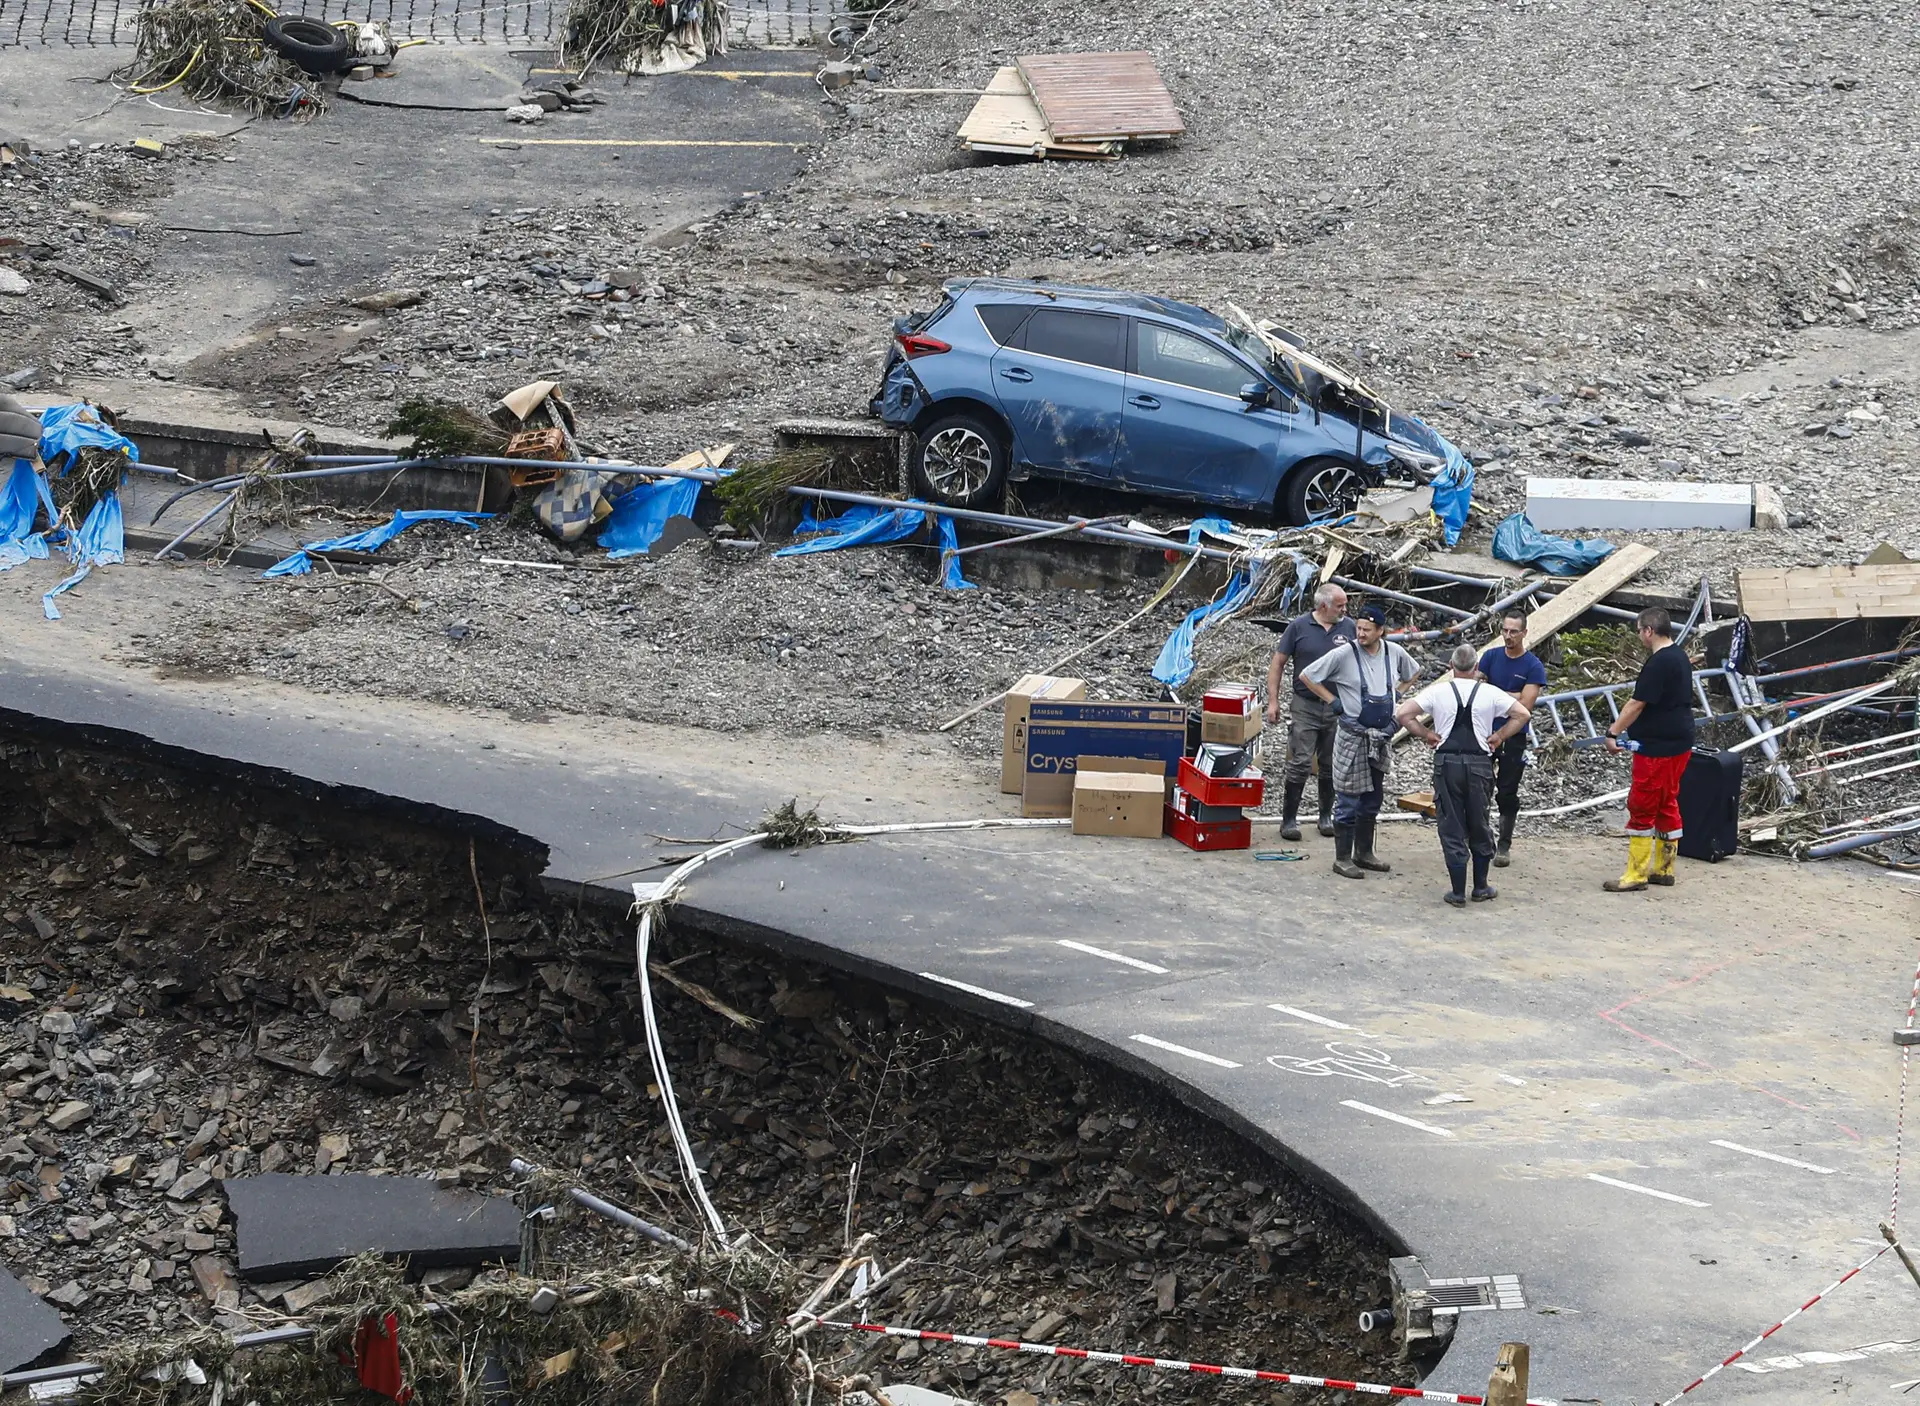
1305, 640
1665, 726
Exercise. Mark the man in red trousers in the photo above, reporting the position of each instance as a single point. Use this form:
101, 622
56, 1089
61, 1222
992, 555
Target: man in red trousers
1659, 720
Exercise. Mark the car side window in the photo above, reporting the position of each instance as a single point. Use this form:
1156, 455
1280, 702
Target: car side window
1168, 355
1002, 320
1093, 338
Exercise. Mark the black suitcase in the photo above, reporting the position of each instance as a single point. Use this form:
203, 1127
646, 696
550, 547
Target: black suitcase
1710, 805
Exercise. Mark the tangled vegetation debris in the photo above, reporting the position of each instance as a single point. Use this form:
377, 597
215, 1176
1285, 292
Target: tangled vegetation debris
215, 51
445, 427
634, 36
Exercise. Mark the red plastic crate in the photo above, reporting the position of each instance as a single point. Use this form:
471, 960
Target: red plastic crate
1202, 835
1248, 790
1229, 698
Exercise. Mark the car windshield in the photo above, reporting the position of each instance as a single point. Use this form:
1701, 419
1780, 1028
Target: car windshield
1250, 346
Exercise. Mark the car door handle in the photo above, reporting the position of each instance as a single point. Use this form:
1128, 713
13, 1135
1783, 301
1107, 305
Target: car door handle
1017, 373
1145, 402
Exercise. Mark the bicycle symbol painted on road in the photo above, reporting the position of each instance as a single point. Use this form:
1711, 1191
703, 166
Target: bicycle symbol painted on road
1351, 1062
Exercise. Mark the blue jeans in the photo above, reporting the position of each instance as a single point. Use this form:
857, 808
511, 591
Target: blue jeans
1351, 806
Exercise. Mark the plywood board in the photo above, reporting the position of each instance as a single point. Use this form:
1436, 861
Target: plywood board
1101, 97
1007, 121
1882, 592
1618, 569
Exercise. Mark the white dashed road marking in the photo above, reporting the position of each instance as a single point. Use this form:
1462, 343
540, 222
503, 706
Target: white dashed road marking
1400, 1118
1172, 1048
979, 991
1113, 956
1645, 1190
1774, 1157
1310, 1016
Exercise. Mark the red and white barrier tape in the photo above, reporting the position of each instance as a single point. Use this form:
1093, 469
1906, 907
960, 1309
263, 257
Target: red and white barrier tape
1127, 1359
1716, 1369
1900, 1114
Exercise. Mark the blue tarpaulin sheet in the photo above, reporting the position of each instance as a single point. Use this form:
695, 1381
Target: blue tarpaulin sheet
1453, 485
641, 513
1517, 539
864, 526
67, 429
1175, 664
101, 541
373, 539
21, 498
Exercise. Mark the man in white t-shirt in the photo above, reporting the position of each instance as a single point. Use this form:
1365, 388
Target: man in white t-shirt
1471, 718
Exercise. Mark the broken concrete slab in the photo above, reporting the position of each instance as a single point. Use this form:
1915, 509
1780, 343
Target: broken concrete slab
292, 1227
1573, 504
29, 1330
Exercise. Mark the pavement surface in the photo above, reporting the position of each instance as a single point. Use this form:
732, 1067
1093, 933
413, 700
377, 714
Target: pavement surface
398, 161
1673, 1116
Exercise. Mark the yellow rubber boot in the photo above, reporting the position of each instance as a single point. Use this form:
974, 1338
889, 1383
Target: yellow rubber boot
1662, 871
1639, 858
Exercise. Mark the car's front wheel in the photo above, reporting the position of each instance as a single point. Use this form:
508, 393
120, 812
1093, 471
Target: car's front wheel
1320, 490
960, 461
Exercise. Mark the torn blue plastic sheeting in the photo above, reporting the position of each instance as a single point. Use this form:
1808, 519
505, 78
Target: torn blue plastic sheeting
640, 514
373, 539
1175, 664
67, 429
1453, 485
950, 576
101, 541
1517, 539
1218, 526
22, 497
876, 527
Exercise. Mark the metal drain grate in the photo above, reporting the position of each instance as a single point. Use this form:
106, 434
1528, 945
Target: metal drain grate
1479, 1294
99, 23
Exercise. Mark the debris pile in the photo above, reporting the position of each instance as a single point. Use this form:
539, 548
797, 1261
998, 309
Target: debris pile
642, 36
232, 981
1085, 106
216, 51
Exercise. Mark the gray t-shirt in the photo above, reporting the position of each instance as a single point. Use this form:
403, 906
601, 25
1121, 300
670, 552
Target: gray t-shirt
1335, 670
1305, 640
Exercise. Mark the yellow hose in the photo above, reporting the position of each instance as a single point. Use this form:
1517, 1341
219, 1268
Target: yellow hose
264, 9
192, 59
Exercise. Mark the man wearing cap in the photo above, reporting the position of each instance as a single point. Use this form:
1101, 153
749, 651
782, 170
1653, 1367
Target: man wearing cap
1359, 679
1467, 727
1517, 671
1309, 721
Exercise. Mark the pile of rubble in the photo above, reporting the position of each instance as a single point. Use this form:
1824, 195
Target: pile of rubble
203, 981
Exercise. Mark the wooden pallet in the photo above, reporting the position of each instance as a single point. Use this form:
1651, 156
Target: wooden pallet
1007, 122
1101, 97
1886, 592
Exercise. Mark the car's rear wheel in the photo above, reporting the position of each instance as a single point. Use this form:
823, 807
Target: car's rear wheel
960, 461
1320, 490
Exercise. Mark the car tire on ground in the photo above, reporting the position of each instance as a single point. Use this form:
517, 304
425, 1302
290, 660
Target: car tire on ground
960, 460
311, 45
1319, 490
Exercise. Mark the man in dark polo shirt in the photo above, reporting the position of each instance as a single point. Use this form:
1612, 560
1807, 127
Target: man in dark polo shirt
1659, 719
1311, 722
1515, 670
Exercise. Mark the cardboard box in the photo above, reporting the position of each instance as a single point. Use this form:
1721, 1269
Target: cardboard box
1119, 796
1059, 734
1013, 738
1236, 729
1235, 698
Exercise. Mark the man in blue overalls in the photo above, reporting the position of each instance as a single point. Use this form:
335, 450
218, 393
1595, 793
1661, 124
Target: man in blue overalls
1465, 710
1360, 680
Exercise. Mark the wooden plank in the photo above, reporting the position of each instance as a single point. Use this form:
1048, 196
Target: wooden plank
1508, 1384
1881, 591
1101, 97
1621, 567
1007, 121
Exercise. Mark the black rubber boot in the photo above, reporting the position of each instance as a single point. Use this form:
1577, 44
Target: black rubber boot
1457, 895
1363, 854
1503, 846
1343, 864
1326, 806
1290, 810
1482, 890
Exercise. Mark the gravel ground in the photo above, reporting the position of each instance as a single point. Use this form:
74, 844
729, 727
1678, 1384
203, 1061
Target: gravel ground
157, 930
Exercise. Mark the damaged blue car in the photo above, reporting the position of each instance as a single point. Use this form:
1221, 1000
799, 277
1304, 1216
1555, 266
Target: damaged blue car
1008, 378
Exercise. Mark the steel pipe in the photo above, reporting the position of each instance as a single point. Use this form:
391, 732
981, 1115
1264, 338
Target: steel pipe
1350, 584
1853, 842
197, 524
611, 1212
232, 480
